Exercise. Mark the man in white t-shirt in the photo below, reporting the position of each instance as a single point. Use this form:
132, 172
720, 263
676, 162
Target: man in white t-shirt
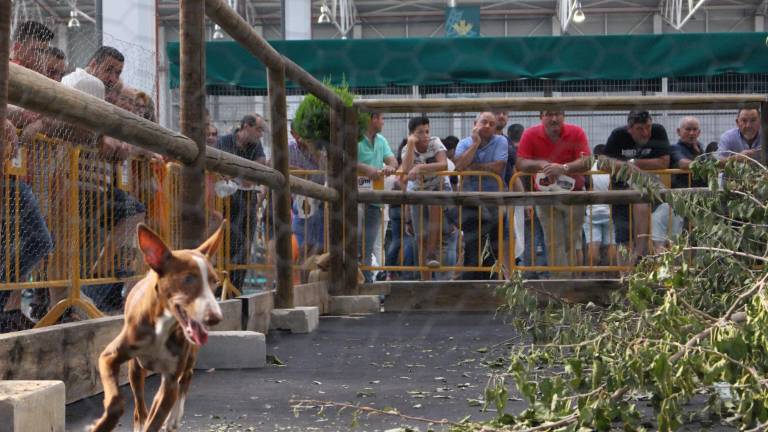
423, 156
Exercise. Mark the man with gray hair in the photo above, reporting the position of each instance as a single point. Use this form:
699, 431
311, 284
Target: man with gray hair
665, 223
483, 150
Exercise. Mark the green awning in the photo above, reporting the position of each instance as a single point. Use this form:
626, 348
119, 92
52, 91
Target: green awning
441, 61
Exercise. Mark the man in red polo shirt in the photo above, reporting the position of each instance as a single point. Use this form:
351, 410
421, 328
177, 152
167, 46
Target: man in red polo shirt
558, 150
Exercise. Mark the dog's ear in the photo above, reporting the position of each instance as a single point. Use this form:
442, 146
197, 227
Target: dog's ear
212, 244
156, 253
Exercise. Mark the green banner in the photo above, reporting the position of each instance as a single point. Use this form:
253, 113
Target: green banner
441, 61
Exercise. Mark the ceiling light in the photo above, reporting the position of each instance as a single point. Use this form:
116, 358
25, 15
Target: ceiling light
578, 15
217, 33
325, 15
73, 21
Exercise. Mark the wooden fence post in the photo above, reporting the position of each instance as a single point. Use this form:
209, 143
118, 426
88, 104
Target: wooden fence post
334, 172
350, 139
193, 124
282, 195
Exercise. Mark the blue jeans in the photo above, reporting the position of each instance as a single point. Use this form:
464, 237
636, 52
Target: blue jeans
450, 240
368, 229
393, 247
474, 239
537, 256
34, 241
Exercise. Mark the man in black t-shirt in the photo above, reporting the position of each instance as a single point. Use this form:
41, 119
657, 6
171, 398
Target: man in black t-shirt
641, 145
246, 143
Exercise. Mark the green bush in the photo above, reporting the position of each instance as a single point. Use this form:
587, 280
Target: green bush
313, 117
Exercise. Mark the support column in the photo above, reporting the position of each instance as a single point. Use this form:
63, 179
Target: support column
126, 24
5, 54
191, 37
297, 16
282, 196
351, 137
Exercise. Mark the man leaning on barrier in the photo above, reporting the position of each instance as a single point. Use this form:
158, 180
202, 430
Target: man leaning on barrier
640, 145
245, 142
558, 151
308, 213
481, 151
23, 235
744, 139
375, 161
28, 49
665, 223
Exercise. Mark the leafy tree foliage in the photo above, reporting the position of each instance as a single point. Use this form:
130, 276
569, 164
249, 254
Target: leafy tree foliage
692, 325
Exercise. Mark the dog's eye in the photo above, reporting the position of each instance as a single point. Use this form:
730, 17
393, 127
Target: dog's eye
190, 279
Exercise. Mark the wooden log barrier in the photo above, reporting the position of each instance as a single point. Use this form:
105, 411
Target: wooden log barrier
572, 103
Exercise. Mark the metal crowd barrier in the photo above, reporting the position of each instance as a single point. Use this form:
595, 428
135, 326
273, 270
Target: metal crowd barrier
74, 187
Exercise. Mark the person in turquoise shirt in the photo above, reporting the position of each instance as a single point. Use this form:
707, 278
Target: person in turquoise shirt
375, 161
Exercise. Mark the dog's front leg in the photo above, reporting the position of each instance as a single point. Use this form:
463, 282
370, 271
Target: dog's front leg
136, 376
109, 369
164, 400
174, 419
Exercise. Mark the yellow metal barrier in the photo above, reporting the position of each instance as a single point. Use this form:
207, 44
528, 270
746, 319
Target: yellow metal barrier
75, 189
75, 186
419, 266
582, 261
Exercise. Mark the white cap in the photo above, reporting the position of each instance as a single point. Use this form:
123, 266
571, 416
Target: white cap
85, 82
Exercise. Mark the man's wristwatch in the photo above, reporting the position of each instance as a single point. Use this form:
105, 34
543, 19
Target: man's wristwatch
565, 168
631, 161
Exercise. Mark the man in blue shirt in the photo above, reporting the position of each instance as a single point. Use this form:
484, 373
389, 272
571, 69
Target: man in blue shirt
482, 151
744, 139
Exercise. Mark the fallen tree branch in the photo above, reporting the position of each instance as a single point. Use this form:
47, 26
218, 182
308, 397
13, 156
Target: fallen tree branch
305, 403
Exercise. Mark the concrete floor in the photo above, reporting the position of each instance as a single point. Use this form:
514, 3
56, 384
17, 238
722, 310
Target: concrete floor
422, 364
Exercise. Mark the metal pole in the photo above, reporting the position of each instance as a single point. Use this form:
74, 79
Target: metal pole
282, 195
191, 36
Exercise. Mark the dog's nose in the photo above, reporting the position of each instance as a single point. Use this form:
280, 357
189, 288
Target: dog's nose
212, 318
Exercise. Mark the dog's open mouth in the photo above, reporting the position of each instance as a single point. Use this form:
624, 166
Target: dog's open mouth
194, 331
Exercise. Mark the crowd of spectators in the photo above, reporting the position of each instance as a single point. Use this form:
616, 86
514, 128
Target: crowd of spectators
459, 242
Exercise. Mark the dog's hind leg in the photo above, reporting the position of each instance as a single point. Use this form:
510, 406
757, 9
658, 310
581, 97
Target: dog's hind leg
109, 369
136, 376
164, 400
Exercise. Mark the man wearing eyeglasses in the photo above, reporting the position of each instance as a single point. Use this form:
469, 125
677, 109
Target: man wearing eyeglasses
640, 145
245, 142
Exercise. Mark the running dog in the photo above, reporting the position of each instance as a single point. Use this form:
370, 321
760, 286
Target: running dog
166, 318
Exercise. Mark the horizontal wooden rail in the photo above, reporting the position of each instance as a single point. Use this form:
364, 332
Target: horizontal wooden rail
574, 103
35, 92
513, 198
236, 27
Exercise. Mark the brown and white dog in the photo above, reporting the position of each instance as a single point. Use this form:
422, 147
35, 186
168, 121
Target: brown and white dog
166, 319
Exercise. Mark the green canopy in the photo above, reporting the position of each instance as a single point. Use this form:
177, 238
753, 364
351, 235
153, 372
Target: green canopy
441, 61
